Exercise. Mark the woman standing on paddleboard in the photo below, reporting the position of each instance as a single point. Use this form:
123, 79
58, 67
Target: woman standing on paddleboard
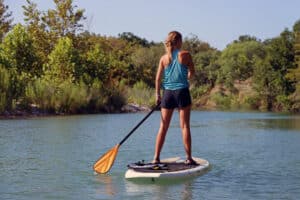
175, 68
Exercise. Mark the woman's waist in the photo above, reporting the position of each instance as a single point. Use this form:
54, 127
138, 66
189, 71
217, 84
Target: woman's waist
175, 85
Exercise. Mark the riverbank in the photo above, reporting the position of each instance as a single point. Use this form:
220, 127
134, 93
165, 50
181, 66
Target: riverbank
242, 98
34, 111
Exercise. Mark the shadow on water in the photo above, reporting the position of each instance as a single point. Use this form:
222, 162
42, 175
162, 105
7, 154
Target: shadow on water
289, 124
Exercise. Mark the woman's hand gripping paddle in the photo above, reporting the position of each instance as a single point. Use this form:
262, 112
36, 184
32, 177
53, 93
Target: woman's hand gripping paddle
105, 162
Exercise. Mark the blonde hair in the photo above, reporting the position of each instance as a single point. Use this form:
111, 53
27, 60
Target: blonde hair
174, 37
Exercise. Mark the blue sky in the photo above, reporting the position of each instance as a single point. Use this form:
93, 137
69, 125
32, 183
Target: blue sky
217, 22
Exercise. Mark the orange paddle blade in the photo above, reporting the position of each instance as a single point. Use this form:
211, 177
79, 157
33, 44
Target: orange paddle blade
105, 162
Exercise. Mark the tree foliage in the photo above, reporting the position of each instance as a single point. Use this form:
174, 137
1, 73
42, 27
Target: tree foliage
207, 67
41, 38
19, 53
237, 61
134, 39
194, 45
293, 74
19, 57
53, 63
62, 61
64, 19
145, 61
5, 19
97, 64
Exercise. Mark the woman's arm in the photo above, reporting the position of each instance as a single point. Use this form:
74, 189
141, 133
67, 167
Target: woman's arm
158, 80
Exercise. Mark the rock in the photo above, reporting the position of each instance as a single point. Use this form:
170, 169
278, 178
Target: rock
134, 108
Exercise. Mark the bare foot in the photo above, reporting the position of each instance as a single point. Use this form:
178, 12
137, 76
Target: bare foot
190, 162
155, 161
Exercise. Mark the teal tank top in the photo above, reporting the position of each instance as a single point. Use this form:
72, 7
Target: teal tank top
175, 74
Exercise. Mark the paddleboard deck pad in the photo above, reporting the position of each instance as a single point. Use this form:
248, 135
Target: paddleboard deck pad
167, 169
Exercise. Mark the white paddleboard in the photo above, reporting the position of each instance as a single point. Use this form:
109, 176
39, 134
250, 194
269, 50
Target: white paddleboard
171, 168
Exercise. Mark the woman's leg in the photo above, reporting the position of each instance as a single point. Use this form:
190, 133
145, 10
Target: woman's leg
166, 115
184, 114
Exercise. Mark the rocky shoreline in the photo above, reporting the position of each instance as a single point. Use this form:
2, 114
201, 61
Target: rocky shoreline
133, 108
35, 112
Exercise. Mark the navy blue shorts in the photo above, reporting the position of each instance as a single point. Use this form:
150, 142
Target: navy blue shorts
176, 98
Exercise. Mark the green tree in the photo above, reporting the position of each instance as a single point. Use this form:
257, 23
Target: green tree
134, 39
207, 67
97, 65
62, 62
297, 52
120, 63
41, 38
246, 38
145, 62
65, 19
19, 57
237, 61
4, 88
266, 82
5, 19
294, 74
194, 45
46, 27
19, 53
282, 58
296, 71
270, 72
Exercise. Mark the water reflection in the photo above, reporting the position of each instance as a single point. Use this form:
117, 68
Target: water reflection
288, 124
157, 191
105, 180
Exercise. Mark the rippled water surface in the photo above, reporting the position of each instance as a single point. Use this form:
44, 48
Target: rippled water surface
253, 156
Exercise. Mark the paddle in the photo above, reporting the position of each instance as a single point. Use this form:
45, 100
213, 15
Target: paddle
105, 162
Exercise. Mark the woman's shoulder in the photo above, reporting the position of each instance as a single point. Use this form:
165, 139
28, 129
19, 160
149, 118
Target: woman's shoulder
185, 57
165, 56
184, 53
164, 59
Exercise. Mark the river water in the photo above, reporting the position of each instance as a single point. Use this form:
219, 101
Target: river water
253, 156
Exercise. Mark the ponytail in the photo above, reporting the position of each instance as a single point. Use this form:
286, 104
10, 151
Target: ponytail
172, 40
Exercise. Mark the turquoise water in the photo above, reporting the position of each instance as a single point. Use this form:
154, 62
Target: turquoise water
253, 156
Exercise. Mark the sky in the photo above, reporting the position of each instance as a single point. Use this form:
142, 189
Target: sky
218, 22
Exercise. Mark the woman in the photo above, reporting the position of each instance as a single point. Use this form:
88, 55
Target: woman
176, 67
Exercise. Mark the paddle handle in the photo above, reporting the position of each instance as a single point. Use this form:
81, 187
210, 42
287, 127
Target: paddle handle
129, 134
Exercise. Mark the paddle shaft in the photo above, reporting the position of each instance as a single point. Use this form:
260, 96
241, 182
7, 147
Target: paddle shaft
130, 133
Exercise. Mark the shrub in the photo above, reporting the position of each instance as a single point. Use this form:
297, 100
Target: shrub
222, 101
141, 94
283, 103
197, 92
72, 97
95, 96
251, 102
42, 93
4, 88
115, 100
